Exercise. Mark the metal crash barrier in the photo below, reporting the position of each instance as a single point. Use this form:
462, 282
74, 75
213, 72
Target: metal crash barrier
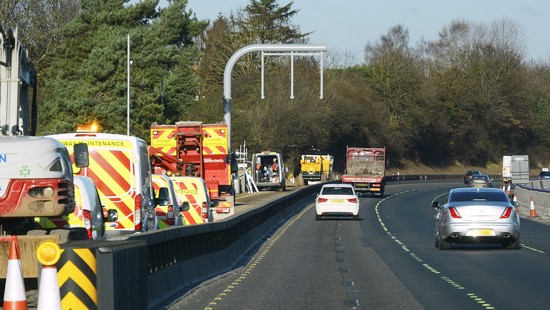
148, 270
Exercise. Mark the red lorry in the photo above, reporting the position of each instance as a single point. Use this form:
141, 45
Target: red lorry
365, 168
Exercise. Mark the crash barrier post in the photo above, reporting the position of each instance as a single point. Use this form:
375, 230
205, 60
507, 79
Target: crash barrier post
14, 292
77, 278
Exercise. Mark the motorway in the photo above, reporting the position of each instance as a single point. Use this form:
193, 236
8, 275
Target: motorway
386, 260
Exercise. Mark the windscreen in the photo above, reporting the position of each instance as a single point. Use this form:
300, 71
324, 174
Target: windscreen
337, 191
478, 196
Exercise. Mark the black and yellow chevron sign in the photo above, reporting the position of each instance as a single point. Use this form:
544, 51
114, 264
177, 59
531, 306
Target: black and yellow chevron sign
76, 274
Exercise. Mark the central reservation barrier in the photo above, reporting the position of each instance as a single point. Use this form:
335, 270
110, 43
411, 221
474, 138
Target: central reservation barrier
149, 270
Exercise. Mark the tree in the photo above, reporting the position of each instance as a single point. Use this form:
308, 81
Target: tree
39, 24
260, 22
88, 79
396, 76
482, 82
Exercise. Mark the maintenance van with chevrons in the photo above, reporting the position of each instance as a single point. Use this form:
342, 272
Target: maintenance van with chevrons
119, 166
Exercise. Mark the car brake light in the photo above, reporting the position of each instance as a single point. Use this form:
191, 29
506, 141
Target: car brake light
507, 212
137, 212
87, 222
170, 215
352, 200
322, 200
454, 213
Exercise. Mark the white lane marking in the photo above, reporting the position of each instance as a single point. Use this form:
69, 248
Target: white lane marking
447, 280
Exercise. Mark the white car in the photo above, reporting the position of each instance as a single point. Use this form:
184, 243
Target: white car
337, 200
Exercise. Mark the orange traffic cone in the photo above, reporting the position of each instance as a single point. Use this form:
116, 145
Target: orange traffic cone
515, 200
532, 211
508, 190
14, 292
49, 298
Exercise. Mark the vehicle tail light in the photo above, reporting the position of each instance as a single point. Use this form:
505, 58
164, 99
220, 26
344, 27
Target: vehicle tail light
137, 212
204, 211
352, 200
87, 222
170, 215
507, 212
454, 213
322, 200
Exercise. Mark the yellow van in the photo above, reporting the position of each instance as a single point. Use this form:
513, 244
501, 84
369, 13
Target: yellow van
169, 212
120, 168
194, 191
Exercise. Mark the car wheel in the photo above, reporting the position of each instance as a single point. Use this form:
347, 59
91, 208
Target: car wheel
356, 217
317, 217
442, 244
513, 245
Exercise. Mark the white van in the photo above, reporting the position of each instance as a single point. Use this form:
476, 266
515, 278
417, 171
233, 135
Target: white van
120, 168
89, 217
269, 171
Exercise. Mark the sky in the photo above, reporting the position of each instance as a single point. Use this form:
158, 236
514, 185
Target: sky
346, 26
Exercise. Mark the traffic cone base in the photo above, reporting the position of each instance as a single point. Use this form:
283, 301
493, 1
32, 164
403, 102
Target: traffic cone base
48, 293
14, 292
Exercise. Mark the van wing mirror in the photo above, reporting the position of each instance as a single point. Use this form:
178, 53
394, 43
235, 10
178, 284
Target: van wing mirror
112, 215
163, 198
81, 155
185, 206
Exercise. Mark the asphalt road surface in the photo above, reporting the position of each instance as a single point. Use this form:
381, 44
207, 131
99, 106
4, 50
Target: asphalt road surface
386, 260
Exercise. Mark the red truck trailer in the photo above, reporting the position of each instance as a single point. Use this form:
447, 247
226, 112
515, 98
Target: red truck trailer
365, 168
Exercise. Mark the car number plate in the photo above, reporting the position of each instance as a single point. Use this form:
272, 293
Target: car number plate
337, 200
481, 232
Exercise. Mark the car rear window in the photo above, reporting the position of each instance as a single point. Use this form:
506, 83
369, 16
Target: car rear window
337, 191
478, 196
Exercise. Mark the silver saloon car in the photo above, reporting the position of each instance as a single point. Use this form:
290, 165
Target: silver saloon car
476, 215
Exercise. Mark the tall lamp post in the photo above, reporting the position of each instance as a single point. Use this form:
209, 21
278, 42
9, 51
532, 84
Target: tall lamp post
128, 86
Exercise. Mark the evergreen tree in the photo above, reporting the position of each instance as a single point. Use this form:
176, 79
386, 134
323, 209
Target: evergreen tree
88, 79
